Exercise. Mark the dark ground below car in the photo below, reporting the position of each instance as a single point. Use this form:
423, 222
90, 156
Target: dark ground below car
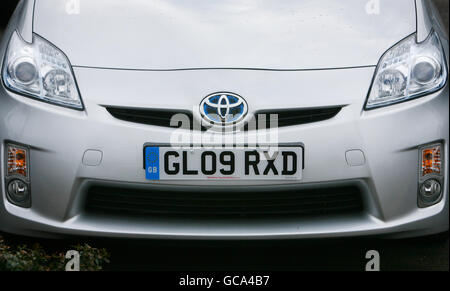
420, 254
343, 254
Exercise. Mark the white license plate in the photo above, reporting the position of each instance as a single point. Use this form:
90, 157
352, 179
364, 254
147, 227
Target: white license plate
240, 163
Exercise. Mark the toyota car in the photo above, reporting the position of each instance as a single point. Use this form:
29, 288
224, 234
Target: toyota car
224, 119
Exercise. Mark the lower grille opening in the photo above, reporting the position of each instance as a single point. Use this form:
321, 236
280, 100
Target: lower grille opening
218, 204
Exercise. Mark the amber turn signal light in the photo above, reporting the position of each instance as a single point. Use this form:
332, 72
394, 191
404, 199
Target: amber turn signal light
17, 161
431, 161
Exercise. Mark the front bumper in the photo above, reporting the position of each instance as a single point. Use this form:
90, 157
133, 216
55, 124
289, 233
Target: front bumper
389, 137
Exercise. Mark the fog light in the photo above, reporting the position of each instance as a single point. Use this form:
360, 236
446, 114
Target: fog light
18, 191
430, 191
17, 179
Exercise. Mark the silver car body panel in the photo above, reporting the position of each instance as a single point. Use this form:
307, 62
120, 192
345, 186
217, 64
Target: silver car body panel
428, 18
58, 137
22, 19
25, 19
224, 34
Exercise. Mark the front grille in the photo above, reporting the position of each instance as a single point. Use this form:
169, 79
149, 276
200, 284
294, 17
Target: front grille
289, 117
216, 204
157, 117
286, 117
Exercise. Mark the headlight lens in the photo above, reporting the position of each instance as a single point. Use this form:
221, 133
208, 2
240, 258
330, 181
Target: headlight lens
41, 71
408, 70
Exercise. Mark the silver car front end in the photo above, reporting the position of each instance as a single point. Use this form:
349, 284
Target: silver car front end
377, 152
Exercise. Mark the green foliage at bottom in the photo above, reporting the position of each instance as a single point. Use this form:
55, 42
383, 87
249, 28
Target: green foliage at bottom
22, 257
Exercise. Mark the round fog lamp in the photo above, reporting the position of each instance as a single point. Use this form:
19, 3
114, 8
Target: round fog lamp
430, 191
18, 191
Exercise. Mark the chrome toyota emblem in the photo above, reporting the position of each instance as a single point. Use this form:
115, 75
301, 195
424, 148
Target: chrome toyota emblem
223, 108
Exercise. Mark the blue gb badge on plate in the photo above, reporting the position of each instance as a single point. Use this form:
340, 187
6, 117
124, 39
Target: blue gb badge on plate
152, 163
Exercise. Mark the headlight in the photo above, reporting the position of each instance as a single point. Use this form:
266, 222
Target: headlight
41, 71
408, 70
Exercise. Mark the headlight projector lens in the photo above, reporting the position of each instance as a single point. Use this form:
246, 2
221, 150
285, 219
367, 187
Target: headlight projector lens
25, 71
425, 70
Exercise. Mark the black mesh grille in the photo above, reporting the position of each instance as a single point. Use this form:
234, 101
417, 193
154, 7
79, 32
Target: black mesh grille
157, 117
121, 201
289, 117
286, 117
